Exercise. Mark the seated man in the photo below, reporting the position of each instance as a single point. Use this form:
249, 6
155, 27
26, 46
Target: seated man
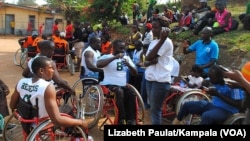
46, 49
225, 102
28, 89
89, 58
222, 21
185, 22
115, 67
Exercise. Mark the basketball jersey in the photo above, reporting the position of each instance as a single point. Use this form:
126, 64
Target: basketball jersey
30, 91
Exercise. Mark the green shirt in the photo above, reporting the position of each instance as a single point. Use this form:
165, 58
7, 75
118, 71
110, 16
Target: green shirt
248, 8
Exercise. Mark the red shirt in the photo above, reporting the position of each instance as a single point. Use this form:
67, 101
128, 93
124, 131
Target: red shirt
55, 28
69, 31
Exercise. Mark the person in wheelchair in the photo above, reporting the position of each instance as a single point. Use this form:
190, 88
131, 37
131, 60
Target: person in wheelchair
89, 58
225, 101
61, 47
27, 43
47, 49
244, 83
38, 86
115, 68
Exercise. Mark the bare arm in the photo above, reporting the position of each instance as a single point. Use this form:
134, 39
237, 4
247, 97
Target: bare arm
153, 53
54, 113
89, 62
59, 81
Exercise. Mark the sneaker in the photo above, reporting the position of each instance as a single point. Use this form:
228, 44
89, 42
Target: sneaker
11, 126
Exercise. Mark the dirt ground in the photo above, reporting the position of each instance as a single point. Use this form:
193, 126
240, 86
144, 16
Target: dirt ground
10, 74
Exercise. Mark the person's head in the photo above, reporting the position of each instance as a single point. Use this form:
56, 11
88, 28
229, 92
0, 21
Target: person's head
57, 33
174, 8
56, 22
158, 23
105, 38
77, 24
68, 22
42, 67
206, 33
95, 42
220, 7
44, 37
47, 48
196, 71
148, 27
186, 10
215, 75
34, 34
118, 46
134, 28
138, 45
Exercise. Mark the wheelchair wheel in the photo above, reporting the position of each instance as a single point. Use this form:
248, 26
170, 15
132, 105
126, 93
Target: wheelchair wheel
192, 95
236, 119
18, 56
140, 108
47, 131
14, 134
89, 100
24, 60
70, 64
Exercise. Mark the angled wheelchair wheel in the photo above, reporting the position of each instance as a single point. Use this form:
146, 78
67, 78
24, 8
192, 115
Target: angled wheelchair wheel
13, 134
24, 60
140, 108
47, 131
17, 57
192, 95
236, 119
70, 64
89, 100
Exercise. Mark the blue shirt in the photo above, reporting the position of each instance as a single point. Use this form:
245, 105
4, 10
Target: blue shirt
205, 53
235, 94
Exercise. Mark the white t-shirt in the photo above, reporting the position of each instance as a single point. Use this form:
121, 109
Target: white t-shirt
115, 73
96, 53
161, 72
175, 70
195, 80
34, 90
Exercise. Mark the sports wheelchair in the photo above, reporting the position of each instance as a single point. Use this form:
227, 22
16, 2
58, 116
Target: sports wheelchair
235, 119
99, 101
28, 53
63, 60
24, 125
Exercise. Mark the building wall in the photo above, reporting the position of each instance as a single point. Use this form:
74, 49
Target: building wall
21, 18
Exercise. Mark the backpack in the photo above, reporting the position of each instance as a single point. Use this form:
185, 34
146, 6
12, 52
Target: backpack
246, 22
235, 24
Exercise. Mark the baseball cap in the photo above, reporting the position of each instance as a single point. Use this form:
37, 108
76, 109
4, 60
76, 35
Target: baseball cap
174, 7
149, 25
62, 34
207, 30
34, 33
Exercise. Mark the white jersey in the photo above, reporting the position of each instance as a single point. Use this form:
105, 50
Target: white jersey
115, 72
29, 90
96, 53
161, 71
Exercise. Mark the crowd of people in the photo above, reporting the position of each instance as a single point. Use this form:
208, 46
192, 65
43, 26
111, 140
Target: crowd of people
144, 60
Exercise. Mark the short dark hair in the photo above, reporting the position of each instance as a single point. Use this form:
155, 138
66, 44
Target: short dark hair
196, 68
39, 62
